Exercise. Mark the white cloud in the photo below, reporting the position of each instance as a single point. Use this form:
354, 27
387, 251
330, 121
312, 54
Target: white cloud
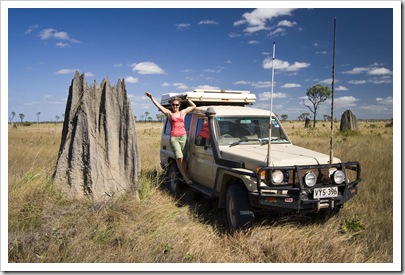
286, 23
372, 70
259, 84
207, 22
284, 65
379, 71
88, 74
381, 80
62, 45
52, 33
253, 42
291, 85
356, 70
30, 29
66, 71
182, 26
217, 70
118, 65
233, 35
341, 88
177, 85
388, 100
180, 86
256, 20
345, 101
267, 95
147, 68
328, 81
207, 87
280, 31
357, 82
243, 82
131, 79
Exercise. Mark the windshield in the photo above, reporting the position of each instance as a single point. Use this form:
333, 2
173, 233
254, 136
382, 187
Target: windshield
233, 131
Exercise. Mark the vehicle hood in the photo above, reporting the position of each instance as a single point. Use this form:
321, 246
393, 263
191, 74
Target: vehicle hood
281, 155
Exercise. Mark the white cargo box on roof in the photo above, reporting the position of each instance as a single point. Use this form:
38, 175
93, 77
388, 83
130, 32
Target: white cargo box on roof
202, 97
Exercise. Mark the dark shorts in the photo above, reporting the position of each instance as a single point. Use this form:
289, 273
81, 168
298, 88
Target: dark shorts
178, 145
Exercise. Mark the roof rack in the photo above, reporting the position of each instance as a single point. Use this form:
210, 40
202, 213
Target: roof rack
204, 97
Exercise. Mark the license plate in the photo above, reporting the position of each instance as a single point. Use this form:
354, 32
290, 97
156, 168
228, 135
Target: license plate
328, 192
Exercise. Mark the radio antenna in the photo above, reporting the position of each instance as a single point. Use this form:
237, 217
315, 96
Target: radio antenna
271, 104
333, 93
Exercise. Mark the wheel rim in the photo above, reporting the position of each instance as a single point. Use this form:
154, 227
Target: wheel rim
231, 209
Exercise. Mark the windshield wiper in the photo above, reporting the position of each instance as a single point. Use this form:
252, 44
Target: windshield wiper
245, 139
265, 141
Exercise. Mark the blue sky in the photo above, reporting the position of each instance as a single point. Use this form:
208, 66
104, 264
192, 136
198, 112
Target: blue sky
165, 50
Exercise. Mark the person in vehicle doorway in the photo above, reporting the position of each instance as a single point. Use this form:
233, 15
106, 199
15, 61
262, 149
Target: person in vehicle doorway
204, 135
178, 134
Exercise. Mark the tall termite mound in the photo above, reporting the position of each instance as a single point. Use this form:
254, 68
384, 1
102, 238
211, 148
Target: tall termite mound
99, 155
348, 121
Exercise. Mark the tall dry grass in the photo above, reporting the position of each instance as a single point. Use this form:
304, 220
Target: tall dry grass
46, 227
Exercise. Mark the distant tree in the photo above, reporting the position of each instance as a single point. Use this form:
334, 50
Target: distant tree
12, 116
21, 117
57, 118
142, 117
38, 114
326, 117
149, 118
284, 117
146, 115
303, 116
316, 95
160, 117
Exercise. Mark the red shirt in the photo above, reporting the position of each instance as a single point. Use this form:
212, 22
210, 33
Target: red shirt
177, 125
205, 132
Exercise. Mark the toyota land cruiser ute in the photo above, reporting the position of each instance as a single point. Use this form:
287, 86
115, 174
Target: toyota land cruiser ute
231, 163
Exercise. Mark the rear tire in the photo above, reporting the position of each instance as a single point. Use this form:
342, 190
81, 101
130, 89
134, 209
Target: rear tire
239, 212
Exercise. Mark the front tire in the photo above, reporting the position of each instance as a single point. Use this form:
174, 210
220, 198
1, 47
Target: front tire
239, 212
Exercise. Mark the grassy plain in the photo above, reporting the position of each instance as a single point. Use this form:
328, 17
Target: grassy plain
46, 227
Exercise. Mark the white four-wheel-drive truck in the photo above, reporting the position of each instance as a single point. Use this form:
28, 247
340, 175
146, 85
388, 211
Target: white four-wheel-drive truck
232, 165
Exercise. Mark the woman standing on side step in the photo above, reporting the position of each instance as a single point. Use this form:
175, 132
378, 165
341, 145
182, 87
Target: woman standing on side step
178, 134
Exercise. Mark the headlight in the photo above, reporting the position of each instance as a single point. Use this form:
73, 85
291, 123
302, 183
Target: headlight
310, 179
338, 176
277, 177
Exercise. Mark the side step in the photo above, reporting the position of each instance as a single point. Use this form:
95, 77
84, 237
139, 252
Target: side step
202, 189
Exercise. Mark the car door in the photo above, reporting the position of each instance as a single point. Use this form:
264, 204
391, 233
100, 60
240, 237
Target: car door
201, 160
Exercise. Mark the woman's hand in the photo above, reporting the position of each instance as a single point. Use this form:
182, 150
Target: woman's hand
148, 94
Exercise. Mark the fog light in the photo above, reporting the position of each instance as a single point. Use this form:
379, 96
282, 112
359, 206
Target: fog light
338, 176
277, 177
310, 179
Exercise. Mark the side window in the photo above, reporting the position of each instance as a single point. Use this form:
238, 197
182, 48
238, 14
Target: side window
168, 127
199, 126
187, 121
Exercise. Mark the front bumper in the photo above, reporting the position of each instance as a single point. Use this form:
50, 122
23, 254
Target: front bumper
294, 203
298, 197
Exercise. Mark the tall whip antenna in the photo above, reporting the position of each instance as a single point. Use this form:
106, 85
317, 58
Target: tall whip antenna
333, 93
271, 104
